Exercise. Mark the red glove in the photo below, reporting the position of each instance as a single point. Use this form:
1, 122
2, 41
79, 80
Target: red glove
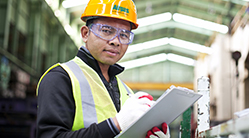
157, 133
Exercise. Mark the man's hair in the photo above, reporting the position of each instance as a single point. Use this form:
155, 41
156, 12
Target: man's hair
89, 22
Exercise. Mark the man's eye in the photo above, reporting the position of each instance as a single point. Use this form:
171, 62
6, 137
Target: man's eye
106, 31
124, 36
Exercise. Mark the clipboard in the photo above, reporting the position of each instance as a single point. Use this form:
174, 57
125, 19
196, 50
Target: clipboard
167, 108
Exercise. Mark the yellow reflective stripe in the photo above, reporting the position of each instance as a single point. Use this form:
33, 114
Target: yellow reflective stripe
44, 75
75, 84
126, 88
87, 101
124, 91
103, 102
77, 98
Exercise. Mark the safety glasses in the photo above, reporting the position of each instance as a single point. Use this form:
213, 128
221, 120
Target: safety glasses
108, 32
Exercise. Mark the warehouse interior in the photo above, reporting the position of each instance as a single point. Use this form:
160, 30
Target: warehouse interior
177, 42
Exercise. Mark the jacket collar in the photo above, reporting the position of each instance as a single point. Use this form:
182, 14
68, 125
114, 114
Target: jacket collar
86, 56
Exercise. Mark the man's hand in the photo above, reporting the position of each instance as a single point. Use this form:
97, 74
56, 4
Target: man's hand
133, 108
157, 133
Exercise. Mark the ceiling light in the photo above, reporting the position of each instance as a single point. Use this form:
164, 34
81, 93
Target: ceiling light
57, 13
158, 18
73, 3
49, 2
172, 41
157, 58
68, 29
190, 46
144, 61
181, 59
200, 23
148, 45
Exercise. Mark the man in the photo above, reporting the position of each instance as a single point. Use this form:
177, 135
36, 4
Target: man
82, 98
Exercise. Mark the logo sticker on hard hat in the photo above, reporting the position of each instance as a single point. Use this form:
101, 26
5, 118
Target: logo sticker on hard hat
120, 9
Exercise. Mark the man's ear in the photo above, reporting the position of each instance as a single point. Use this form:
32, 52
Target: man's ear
84, 33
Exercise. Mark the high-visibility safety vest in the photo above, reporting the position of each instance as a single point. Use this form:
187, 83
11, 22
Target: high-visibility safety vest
92, 100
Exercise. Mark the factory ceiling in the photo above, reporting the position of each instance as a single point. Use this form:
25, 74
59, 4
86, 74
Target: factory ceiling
175, 25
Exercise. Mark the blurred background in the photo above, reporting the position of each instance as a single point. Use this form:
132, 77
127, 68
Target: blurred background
177, 42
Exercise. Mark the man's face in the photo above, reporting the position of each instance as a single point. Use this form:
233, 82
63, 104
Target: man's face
107, 52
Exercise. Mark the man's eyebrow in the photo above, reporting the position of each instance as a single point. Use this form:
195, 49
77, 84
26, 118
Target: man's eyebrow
107, 26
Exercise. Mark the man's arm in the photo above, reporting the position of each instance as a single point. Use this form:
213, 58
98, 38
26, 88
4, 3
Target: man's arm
56, 110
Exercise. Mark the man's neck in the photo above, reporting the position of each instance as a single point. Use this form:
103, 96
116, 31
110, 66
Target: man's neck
104, 69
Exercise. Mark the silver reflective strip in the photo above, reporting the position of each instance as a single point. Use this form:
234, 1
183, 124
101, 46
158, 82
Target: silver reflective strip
126, 87
88, 105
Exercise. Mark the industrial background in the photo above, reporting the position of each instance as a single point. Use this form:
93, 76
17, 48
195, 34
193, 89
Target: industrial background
177, 42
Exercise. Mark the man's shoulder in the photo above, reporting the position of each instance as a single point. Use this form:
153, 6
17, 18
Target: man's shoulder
56, 72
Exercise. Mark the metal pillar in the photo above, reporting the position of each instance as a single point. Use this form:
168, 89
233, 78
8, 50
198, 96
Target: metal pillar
36, 33
14, 47
7, 24
203, 104
185, 124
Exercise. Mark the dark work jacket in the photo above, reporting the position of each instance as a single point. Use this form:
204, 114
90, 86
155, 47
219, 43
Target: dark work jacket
56, 106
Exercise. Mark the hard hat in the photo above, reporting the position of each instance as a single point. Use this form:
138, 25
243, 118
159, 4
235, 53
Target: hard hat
120, 9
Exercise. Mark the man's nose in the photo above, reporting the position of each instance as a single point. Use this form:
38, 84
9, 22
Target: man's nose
115, 41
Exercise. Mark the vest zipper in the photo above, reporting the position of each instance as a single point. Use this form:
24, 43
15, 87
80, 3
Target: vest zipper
113, 95
110, 85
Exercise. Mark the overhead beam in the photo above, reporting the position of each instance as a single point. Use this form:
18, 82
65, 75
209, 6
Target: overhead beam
212, 7
202, 14
198, 8
19, 63
156, 86
141, 4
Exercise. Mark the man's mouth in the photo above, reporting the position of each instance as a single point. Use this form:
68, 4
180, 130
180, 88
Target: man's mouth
112, 52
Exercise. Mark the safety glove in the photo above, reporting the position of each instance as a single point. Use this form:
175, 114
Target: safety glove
134, 108
157, 133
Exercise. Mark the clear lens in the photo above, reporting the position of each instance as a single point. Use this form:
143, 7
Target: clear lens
107, 32
125, 36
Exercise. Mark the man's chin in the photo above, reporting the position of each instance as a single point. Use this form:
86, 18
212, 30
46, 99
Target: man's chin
108, 63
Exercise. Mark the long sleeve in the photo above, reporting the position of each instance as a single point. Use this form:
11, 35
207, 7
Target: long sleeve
56, 110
